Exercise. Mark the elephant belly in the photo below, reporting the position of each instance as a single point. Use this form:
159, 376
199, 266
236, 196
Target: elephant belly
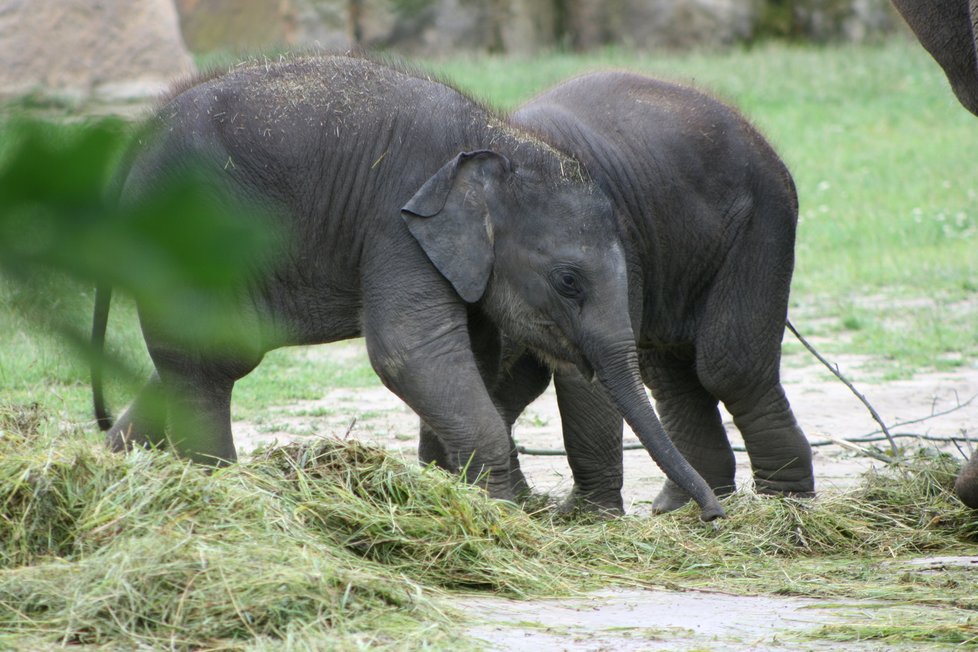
315, 315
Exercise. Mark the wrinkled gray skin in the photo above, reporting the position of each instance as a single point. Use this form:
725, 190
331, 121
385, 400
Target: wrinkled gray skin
708, 214
948, 30
392, 234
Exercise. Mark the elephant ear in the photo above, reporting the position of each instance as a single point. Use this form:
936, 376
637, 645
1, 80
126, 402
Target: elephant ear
448, 216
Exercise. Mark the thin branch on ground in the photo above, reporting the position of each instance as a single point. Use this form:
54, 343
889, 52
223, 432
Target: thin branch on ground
933, 415
868, 452
861, 439
881, 434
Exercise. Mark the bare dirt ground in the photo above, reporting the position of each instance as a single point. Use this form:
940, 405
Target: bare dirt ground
657, 620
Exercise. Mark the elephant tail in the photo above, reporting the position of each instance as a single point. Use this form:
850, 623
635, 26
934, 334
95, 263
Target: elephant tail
100, 320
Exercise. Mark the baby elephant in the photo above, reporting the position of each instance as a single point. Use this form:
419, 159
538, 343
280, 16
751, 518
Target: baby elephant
707, 213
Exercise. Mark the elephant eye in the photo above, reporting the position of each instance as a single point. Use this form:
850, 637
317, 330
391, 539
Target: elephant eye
567, 283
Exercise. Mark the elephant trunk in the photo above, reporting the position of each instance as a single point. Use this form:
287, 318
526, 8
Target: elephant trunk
616, 368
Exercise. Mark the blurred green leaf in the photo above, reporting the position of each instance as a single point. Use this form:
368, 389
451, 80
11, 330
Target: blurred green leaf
180, 251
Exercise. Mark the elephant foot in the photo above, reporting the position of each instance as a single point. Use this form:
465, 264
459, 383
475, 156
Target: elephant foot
605, 505
123, 437
804, 488
497, 485
966, 484
518, 484
671, 497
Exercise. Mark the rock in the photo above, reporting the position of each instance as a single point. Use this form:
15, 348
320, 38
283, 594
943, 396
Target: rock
237, 25
79, 49
686, 24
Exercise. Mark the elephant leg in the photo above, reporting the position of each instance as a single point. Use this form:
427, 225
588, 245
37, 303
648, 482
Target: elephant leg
144, 421
520, 381
966, 484
592, 438
425, 356
740, 365
432, 451
780, 455
738, 345
199, 414
690, 415
516, 377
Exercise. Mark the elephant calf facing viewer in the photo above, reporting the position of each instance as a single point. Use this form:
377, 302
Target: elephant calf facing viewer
707, 214
405, 208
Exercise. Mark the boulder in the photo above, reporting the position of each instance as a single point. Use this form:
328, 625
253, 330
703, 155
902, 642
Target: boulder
79, 49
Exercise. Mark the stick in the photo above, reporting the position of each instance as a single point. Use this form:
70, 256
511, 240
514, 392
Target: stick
835, 370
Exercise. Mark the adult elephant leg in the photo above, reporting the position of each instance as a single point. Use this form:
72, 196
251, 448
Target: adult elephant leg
966, 484
592, 438
144, 421
690, 415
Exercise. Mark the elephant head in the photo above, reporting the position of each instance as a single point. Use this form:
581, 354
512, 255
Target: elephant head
540, 254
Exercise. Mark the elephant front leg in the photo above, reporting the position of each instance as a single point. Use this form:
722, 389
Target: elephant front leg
689, 414
520, 380
592, 429
516, 377
425, 357
431, 450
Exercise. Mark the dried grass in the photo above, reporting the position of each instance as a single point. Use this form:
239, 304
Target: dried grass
337, 544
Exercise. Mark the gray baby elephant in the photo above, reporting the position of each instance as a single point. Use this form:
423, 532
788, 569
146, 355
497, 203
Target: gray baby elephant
410, 215
707, 214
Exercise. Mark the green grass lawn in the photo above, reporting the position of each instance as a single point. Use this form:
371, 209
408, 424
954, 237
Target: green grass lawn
884, 160
883, 156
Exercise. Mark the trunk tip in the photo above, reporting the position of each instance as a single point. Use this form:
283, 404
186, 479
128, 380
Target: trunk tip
712, 511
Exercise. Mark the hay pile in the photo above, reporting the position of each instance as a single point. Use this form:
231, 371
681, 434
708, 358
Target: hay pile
338, 544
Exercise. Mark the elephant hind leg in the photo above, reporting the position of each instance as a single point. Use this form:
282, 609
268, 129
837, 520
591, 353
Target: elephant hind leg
689, 414
199, 415
144, 421
780, 455
738, 343
747, 380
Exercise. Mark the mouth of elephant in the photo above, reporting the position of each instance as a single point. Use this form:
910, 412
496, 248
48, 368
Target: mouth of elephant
556, 350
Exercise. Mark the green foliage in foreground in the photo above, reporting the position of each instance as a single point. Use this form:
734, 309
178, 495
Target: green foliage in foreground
336, 543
